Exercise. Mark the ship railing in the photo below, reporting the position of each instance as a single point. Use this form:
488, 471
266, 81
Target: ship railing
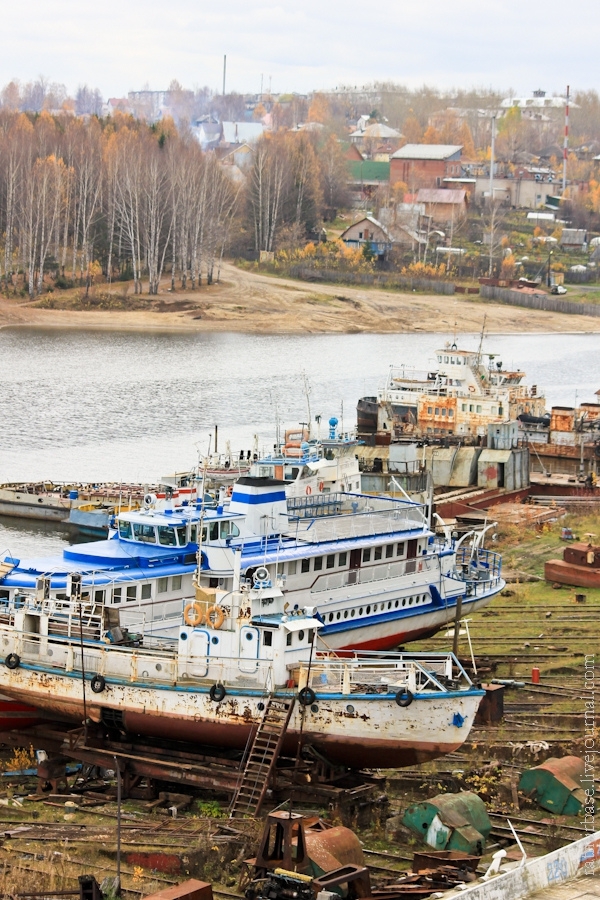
371, 574
418, 673
372, 522
479, 565
131, 664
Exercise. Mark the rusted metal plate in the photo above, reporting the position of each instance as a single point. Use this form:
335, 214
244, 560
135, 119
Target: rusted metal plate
188, 890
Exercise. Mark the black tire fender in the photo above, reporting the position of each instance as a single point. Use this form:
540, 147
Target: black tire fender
12, 661
217, 693
404, 697
307, 696
98, 683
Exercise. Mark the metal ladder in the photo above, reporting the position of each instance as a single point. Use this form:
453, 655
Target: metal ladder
262, 758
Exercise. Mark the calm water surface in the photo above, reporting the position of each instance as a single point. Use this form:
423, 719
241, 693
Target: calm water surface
132, 406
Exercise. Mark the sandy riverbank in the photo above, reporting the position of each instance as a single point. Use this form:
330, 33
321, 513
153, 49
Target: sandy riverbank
251, 302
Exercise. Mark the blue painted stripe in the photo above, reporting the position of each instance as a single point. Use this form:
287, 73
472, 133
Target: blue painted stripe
256, 499
403, 612
248, 692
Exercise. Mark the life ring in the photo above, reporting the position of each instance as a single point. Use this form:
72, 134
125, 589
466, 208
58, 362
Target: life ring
193, 614
307, 696
472, 388
404, 698
217, 693
321, 486
308, 490
219, 615
98, 684
230, 490
12, 661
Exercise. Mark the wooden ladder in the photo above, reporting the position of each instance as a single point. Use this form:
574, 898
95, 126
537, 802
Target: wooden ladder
262, 758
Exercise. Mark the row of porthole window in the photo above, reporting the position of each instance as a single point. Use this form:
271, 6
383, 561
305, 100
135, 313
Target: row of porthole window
406, 601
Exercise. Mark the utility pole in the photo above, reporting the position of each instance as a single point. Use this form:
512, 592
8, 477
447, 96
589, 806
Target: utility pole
224, 71
565, 145
492, 208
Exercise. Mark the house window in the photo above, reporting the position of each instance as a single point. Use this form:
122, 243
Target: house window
450, 413
443, 412
437, 410
463, 407
429, 410
478, 407
360, 234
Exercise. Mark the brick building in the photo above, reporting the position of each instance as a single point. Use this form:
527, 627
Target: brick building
425, 165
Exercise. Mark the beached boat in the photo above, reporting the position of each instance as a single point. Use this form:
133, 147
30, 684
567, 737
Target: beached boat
211, 684
370, 566
580, 566
458, 397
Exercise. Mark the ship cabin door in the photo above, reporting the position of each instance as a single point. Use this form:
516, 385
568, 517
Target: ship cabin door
249, 646
355, 561
411, 549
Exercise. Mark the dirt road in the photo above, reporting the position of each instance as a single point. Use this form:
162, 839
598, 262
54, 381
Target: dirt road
251, 302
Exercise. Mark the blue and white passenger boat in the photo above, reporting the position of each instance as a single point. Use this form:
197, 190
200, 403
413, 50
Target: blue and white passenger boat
371, 567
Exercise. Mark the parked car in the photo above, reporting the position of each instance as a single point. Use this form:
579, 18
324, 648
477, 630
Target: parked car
558, 289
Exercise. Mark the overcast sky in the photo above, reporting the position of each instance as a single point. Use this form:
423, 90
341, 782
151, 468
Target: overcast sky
302, 45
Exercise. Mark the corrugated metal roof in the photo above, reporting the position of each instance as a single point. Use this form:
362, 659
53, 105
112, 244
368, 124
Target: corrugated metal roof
441, 195
369, 170
427, 151
376, 131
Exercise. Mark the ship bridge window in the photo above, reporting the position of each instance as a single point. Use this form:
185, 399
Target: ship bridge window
125, 530
267, 639
229, 529
445, 359
132, 592
377, 552
181, 535
166, 536
318, 563
305, 566
366, 555
145, 533
401, 550
193, 533
439, 359
213, 533
331, 561
389, 551
116, 595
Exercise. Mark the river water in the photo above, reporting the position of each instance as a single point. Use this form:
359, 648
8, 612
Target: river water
132, 406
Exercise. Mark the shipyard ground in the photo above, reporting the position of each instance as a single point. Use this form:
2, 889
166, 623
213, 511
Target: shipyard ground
251, 302
532, 625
